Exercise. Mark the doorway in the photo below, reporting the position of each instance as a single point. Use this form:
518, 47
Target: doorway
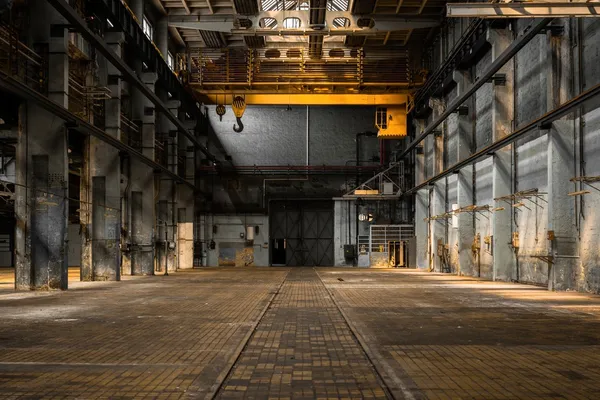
305, 230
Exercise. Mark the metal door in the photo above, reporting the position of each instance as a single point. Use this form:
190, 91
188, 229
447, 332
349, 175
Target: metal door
307, 228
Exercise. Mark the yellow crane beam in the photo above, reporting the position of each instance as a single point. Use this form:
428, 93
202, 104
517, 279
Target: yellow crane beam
309, 99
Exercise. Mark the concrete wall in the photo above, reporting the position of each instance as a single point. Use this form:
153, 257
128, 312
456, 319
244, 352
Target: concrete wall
74, 245
547, 72
274, 135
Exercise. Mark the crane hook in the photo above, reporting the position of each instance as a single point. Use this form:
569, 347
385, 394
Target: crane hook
240, 126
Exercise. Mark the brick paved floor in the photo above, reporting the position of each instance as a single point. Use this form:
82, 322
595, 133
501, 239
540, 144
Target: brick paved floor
440, 336
303, 349
145, 337
428, 336
7, 277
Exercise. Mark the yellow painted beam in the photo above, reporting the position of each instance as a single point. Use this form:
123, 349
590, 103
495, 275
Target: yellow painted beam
305, 99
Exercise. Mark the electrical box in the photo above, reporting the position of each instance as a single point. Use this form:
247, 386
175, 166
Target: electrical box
391, 122
349, 252
388, 188
488, 240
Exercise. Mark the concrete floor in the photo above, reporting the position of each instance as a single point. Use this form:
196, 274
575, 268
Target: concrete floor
299, 333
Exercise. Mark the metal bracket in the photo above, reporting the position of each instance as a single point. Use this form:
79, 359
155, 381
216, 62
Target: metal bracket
463, 110
555, 30
498, 80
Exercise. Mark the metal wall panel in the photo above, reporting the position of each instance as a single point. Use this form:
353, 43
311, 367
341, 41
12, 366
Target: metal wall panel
307, 228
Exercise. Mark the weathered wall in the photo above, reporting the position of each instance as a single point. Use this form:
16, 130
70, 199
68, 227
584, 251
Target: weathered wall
229, 228
74, 245
274, 135
548, 71
298, 136
587, 276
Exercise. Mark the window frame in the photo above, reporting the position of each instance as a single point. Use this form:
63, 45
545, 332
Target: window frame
147, 28
170, 60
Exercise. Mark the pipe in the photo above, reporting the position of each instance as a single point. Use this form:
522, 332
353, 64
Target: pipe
307, 135
357, 140
540, 123
484, 78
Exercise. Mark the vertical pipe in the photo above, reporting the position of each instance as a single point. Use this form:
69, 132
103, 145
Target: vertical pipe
307, 136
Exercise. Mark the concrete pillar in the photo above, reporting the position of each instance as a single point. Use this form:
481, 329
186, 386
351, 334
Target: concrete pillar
438, 238
161, 36
563, 243
142, 198
504, 262
42, 176
421, 227
103, 187
137, 6
167, 197
185, 209
419, 154
466, 229
437, 235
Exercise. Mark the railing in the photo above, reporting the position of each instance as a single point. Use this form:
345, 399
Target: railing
241, 67
20, 62
87, 102
381, 235
181, 162
161, 153
131, 133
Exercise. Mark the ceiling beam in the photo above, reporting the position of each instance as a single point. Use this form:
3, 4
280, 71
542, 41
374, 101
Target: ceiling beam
387, 37
227, 23
175, 33
408, 37
523, 10
185, 5
400, 2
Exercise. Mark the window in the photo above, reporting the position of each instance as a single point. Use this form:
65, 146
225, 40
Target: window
170, 61
290, 23
147, 28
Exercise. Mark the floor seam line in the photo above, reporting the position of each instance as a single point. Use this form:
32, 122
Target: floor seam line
364, 347
244, 344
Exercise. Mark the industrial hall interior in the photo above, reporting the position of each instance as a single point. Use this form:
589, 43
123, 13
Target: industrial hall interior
299, 199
